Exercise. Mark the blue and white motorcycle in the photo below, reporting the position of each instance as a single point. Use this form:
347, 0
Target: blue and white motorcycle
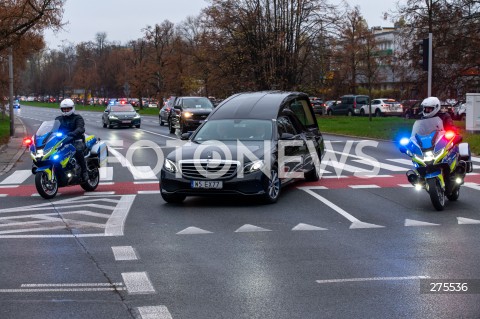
54, 163
440, 161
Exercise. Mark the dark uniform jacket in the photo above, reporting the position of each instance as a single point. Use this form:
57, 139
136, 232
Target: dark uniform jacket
74, 125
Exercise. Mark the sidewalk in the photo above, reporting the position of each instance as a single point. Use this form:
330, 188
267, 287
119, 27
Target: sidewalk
11, 152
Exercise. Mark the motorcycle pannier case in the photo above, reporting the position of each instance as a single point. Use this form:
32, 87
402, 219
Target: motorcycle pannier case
100, 150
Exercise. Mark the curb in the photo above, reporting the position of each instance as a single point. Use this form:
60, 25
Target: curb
13, 143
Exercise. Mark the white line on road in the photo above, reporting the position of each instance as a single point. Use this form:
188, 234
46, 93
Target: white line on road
472, 185
173, 138
356, 223
115, 223
124, 253
154, 312
384, 166
328, 281
148, 192
106, 173
18, 177
137, 283
90, 284
363, 186
61, 290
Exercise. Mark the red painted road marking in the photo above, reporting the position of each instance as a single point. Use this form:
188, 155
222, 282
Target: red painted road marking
125, 188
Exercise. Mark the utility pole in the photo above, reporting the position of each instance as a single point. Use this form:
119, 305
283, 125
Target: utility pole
10, 79
430, 60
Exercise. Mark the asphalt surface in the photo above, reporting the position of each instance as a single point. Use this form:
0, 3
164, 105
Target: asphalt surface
344, 247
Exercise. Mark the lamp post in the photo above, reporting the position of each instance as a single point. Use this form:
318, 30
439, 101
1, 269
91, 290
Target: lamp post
69, 75
95, 65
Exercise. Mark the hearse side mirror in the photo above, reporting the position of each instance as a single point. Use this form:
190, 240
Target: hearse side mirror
185, 136
287, 136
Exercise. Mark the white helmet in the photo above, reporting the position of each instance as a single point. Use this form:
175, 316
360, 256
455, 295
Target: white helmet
431, 106
67, 107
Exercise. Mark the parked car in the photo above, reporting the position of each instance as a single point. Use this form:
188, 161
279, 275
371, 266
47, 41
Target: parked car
383, 107
318, 106
460, 111
258, 124
412, 109
188, 113
329, 104
16, 104
118, 115
349, 105
166, 111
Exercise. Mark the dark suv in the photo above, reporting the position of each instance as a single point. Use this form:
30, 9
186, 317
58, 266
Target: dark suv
188, 113
349, 105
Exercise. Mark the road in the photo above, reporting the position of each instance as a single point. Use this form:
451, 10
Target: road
349, 246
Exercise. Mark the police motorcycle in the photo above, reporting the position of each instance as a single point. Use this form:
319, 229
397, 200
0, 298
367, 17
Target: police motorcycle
440, 161
54, 163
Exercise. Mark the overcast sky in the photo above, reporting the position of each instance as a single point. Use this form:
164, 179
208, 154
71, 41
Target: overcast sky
123, 20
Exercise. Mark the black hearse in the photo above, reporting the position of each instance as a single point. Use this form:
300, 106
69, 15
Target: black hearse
251, 144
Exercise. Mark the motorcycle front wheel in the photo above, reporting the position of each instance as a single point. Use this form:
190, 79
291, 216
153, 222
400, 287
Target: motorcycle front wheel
436, 193
46, 188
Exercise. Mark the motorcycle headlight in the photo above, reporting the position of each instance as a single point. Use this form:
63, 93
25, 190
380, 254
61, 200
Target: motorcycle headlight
170, 166
428, 156
254, 166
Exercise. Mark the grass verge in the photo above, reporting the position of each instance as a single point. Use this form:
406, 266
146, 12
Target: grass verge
387, 128
4, 129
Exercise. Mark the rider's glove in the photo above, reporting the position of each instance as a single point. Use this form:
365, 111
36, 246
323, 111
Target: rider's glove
68, 140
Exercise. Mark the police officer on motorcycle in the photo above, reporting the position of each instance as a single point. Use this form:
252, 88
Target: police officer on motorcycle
75, 126
431, 107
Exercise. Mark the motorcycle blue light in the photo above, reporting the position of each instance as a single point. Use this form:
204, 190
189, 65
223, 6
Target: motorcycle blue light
59, 134
404, 141
55, 157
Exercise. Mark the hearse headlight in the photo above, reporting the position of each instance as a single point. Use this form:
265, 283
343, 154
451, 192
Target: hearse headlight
253, 166
170, 166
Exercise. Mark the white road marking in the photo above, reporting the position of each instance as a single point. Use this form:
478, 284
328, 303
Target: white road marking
18, 177
250, 228
328, 281
158, 134
3, 195
124, 253
467, 221
145, 182
8, 186
106, 173
412, 222
401, 161
363, 186
89, 284
143, 172
137, 283
154, 312
356, 223
148, 192
348, 168
98, 193
384, 166
66, 287
106, 183
193, 231
302, 226
406, 185
116, 222
61, 290
475, 159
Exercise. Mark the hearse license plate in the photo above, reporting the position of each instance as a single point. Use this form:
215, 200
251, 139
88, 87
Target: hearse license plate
207, 184
125, 122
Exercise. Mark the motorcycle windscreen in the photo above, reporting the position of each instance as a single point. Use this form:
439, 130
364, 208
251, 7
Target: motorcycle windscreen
424, 131
44, 131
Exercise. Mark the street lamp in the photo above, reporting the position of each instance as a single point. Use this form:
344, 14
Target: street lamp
69, 74
95, 65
